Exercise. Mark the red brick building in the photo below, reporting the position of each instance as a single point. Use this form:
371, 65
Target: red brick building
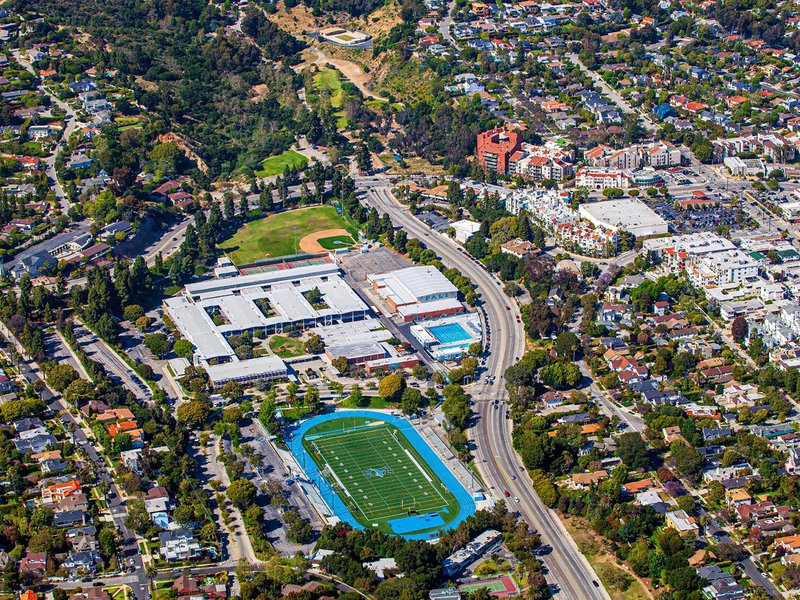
495, 148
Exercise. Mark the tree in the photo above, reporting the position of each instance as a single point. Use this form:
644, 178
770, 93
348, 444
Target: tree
166, 158
145, 371
232, 391
107, 539
688, 461
342, 365
314, 345
739, 329
560, 375
194, 413
567, 345
138, 519
241, 493
363, 158
142, 323
183, 348
638, 558
158, 343
632, 450
512, 289
456, 406
132, 312
410, 401
686, 503
391, 387
314, 296
357, 397
59, 376
540, 321
420, 372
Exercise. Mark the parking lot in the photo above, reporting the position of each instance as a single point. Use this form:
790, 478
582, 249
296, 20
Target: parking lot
358, 266
692, 221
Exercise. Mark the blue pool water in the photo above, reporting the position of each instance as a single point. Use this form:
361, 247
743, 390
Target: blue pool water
449, 333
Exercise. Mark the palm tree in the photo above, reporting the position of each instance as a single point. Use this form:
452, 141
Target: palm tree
150, 572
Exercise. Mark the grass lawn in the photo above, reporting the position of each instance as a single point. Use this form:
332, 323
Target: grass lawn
275, 235
378, 473
293, 413
374, 402
286, 347
335, 242
274, 165
328, 79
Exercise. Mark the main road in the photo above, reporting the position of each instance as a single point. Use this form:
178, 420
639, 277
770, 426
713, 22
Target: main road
497, 461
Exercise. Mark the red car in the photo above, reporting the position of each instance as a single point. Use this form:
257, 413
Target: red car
506, 494
508, 307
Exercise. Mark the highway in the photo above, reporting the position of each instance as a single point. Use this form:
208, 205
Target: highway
496, 459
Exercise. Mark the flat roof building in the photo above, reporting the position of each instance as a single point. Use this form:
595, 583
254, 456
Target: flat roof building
624, 215
208, 312
412, 285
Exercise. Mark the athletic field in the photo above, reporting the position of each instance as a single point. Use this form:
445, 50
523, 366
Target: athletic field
280, 234
379, 476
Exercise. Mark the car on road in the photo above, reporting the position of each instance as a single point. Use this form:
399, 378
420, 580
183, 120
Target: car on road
516, 499
508, 307
506, 494
595, 584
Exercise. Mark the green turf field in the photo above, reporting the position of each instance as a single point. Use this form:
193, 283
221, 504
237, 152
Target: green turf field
274, 165
335, 242
377, 472
275, 235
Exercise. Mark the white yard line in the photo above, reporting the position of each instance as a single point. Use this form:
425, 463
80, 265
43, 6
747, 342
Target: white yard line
419, 466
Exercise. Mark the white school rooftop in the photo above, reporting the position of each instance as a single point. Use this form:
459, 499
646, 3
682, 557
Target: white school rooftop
262, 304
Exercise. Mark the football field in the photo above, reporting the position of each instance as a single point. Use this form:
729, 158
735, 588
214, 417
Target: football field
379, 475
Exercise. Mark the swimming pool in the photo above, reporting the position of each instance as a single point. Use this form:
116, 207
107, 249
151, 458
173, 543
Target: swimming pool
450, 333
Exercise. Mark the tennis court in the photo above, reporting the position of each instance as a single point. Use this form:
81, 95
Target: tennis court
379, 476
499, 587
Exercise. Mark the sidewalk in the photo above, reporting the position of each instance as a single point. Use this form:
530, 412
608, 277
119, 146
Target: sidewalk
428, 430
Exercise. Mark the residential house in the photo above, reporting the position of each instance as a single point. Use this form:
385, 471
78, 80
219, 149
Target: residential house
682, 522
71, 518
81, 563
179, 544
34, 564
55, 493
